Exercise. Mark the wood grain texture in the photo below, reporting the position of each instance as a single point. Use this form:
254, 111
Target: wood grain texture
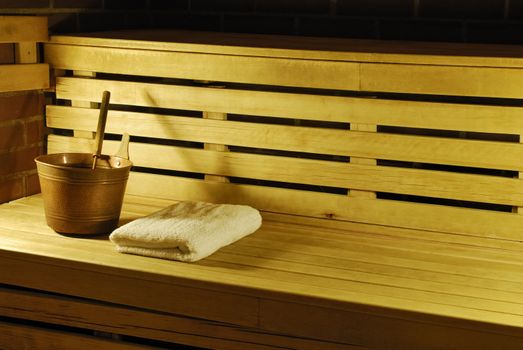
23, 28
251, 70
403, 113
215, 147
445, 287
438, 184
439, 218
470, 153
17, 336
338, 49
441, 80
141, 323
26, 52
357, 192
325, 270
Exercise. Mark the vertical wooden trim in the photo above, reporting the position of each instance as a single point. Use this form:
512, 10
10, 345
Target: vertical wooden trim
84, 104
212, 146
364, 161
26, 52
215, 147
519, 210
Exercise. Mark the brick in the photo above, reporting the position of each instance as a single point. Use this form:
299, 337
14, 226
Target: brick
11, 136
294, 6
338, 27
462, 9
20, 105
63, 23
515, 9
259, 24
34, 132
495, 32
424, 30
91, 4
32, 185
373, 8
190, 22
223, 5
11, 189
25, 3
125, 4
169, 4
17, 161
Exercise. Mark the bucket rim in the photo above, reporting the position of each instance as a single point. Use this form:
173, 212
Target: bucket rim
44, 159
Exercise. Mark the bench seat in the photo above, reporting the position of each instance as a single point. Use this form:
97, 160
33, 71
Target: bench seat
297, 282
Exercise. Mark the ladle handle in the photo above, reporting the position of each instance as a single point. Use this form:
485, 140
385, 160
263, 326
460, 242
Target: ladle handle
102, 119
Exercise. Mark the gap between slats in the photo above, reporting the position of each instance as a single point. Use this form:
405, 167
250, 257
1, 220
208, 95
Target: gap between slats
325, 108
470, 153
440, 184
472, 222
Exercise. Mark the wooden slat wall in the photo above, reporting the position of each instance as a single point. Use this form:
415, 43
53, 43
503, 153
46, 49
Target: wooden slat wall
404, 78
459, 186
335, 144
24, 33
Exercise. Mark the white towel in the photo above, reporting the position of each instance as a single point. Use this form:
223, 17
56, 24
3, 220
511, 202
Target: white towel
186, 231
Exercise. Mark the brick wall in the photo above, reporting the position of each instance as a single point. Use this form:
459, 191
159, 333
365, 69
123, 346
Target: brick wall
493, 21
21, 140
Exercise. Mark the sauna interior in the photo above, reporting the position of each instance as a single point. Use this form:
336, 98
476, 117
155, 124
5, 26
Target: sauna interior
380, 141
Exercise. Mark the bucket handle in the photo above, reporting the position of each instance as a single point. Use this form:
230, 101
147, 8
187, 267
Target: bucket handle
123, 150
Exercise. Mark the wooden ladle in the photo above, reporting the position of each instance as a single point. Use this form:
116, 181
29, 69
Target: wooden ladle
102, 120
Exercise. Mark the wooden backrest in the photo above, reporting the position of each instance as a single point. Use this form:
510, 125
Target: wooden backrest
19, 67
409, 135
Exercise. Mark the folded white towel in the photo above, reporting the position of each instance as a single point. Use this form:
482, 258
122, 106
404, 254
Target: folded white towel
186, 231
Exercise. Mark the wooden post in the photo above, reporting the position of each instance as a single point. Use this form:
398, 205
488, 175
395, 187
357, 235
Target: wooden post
212, 146
519, 210
363, 161
26, 52
215, 147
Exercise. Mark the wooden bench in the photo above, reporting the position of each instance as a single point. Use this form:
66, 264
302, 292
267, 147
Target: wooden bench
388, 175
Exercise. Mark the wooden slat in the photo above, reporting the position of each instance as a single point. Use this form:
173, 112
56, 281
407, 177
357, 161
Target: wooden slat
251, 70
18, 336
88, 280
491, 274
398, 334
85, 104
23, 28
442, 80
340, 49
471, 153
412, 114
140, 323
431, 217
480, 273
24, 77
439, 184
291, 239
261, 275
